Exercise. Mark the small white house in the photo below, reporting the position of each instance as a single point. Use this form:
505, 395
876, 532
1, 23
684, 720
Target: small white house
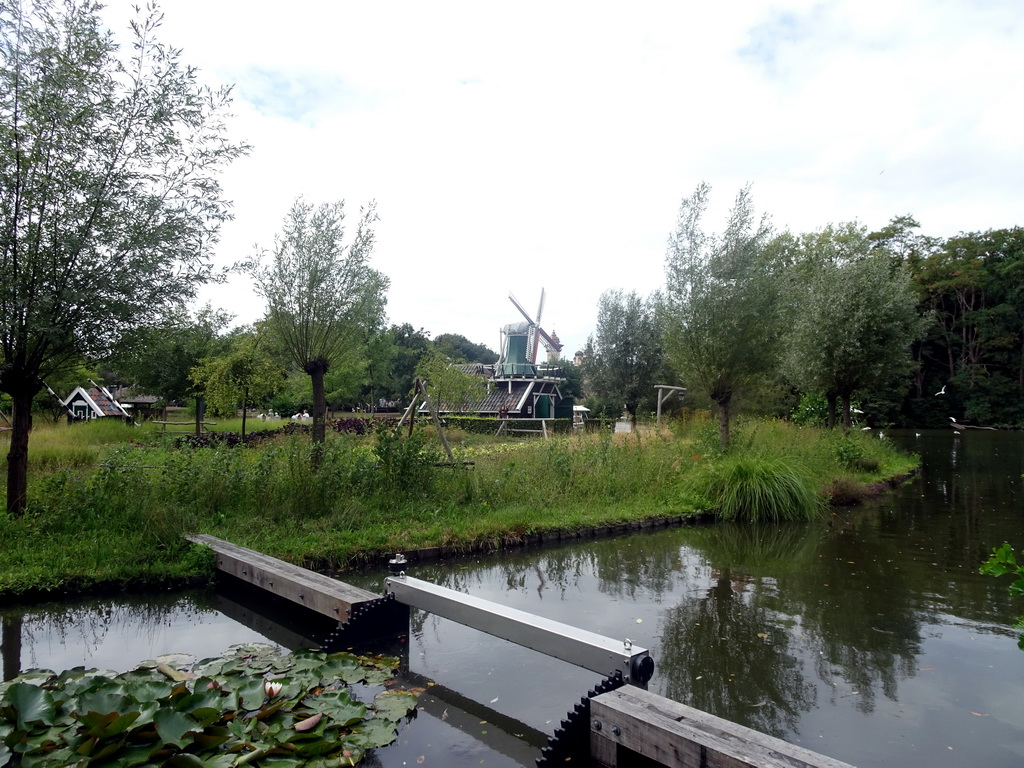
93, 403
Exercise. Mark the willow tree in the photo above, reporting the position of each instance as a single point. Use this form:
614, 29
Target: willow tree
720, 308
323, 298
853, 319
109, 200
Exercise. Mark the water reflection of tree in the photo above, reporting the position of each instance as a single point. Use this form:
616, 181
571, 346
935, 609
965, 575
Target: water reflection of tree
818, 595
859, 614
624, 566
728, 652
87, 623
763, 631
10, 644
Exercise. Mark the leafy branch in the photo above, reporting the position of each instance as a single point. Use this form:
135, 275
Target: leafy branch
1001, 562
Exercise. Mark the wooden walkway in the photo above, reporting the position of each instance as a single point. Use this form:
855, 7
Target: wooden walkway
317, 592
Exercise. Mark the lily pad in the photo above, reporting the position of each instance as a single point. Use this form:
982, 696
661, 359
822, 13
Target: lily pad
142, 717
32, 705
394, 705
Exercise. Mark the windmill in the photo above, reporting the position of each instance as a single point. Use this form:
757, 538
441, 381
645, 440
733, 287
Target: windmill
535, 332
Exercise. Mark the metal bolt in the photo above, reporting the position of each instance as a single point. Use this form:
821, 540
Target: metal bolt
597, 725
616, 730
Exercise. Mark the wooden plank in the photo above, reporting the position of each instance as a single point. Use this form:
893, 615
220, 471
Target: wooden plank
315, 591
679, 736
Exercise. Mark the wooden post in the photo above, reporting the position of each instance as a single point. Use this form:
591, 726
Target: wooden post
410, 412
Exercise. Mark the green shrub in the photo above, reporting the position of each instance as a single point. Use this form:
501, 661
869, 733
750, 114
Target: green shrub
848, 452
405, 465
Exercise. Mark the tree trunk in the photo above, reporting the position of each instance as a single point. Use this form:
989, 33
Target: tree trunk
17, 456
723, 421
1020, 375
846, 413
830, 405
316, 371
631, 408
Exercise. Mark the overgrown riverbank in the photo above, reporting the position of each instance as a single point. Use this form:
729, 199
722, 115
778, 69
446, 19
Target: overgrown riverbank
110, 506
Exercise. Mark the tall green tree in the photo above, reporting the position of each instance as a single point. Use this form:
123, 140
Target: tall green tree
449, 387
109, 200
396, 370
160, 360
458, 347
324, 300
972, 283
624, 356
853, 318
239, 378
721, 304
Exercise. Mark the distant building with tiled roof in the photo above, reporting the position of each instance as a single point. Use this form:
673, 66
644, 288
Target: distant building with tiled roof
93, 403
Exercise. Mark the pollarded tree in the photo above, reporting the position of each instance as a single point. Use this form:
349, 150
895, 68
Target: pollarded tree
109, 200
853, 322
323, 298
721, 305
624, 356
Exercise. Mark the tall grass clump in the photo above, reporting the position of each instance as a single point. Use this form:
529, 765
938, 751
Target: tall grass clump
756, 488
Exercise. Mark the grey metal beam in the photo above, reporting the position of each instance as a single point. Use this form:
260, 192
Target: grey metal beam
577, 646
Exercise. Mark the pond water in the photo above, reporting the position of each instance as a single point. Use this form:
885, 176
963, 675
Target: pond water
868, 637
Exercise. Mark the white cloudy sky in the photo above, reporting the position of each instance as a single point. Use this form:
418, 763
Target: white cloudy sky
511, 146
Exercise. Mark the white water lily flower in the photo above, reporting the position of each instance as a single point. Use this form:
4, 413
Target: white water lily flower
272, 688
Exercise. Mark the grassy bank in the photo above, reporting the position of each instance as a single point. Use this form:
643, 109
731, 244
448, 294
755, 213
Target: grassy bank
110, 505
